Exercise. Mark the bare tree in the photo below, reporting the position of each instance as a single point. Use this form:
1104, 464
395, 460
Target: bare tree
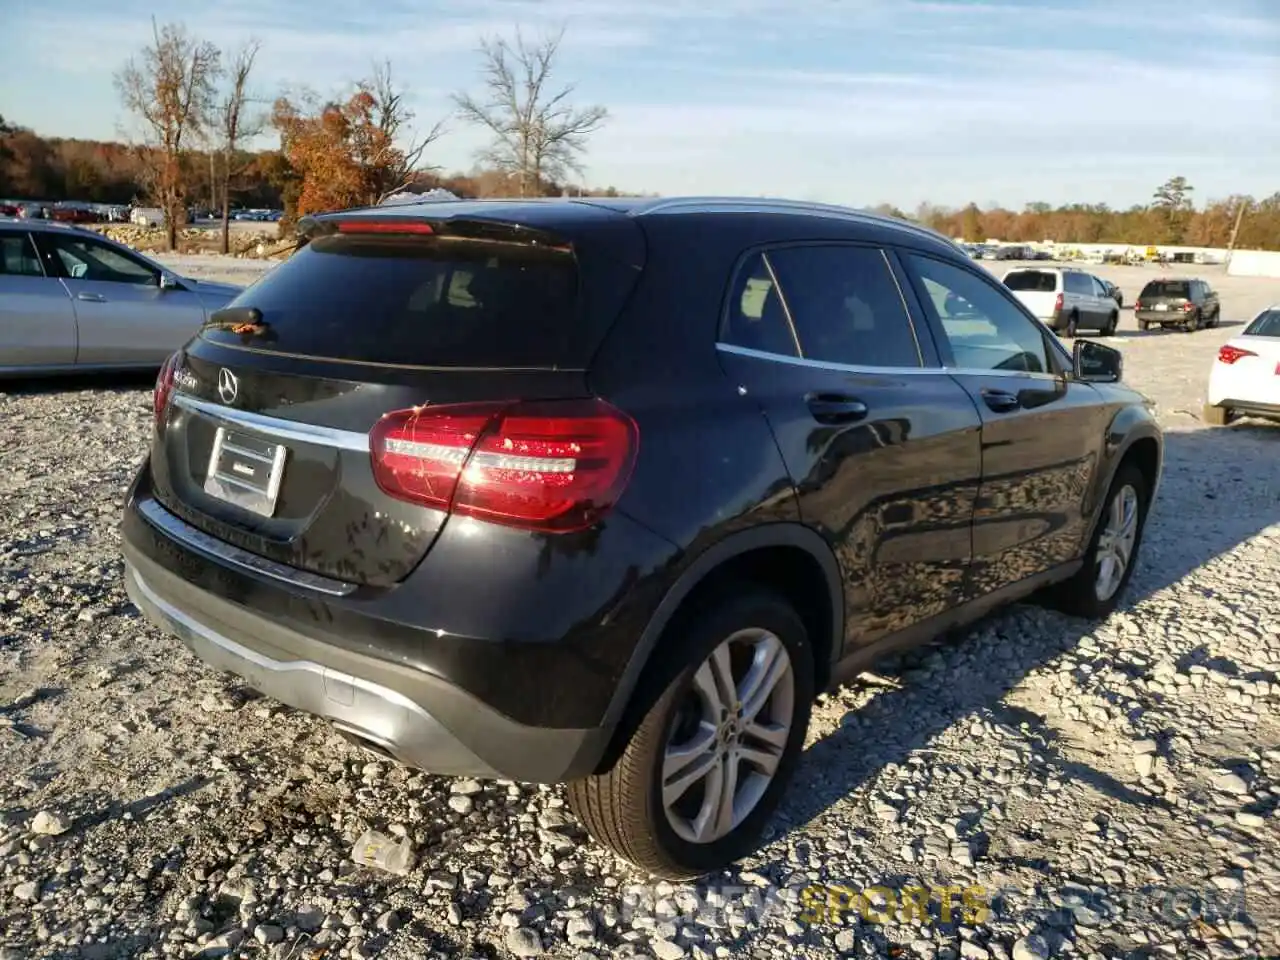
170, 92
392, 162
236, 124
537, 134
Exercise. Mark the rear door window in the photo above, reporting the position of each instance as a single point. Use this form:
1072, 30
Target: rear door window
18, 257
418, 302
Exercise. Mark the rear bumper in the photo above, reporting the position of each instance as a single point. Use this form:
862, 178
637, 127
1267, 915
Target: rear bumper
414, 717
1162, 316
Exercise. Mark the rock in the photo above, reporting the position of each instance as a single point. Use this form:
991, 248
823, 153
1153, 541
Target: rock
220, 946
309, 917
1231, 783
388, 922
49, 824
1143, 747
667, 950
1246, 819
461, 803
466, 788
267, 933
524, 942
29, 891
1145, 764
1032, 947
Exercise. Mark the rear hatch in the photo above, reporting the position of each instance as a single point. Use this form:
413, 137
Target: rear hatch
1037, 289
1164, 296
322, 418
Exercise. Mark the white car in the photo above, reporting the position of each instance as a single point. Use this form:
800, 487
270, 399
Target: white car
1245, 380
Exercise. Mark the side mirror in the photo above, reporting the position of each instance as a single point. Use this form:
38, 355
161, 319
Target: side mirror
1095, 361
169, 282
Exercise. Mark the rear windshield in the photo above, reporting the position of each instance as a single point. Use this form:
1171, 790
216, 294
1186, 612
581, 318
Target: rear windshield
1266, 324
420, 302
1166, 288
1032, 281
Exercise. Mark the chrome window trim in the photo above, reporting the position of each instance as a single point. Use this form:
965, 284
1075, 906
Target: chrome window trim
203, 543
883, 371
275, 427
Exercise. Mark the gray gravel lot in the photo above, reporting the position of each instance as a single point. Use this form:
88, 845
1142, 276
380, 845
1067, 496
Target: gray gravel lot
1098, 790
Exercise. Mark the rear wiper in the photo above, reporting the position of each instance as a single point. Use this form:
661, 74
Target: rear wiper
245, 321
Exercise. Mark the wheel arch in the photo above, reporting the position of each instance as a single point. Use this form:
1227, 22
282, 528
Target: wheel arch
788, 557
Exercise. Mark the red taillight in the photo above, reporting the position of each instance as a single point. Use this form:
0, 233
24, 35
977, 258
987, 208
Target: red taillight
164, 386
1188, 307
553, 465
1230, 354
384, 226
1137, 304
1057, 304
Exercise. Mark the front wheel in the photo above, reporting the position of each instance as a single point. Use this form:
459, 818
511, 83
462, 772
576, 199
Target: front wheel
1095, 590
707, 763
1110, 329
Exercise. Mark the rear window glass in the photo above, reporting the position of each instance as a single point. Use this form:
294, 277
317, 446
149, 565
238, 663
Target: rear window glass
423, 302
1032, 281
1166, 288
1266, 324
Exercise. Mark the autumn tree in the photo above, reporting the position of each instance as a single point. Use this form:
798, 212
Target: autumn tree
235, 122
352, 153
535, 133
169, 92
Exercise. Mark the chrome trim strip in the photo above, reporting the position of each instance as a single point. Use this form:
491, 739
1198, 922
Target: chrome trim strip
316, 670
293, 430
216, 549
881, 371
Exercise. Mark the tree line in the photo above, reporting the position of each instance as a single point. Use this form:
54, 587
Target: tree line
194, 108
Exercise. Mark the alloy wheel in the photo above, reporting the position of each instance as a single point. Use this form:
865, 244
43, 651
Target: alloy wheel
727, 736
1115, 544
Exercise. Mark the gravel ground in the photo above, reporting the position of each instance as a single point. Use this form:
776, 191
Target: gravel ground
1084, 790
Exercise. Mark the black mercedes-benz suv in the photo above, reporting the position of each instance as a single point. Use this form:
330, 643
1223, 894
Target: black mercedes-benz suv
605, 491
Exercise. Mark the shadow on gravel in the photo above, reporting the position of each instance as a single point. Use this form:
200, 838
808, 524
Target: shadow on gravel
905, 720
139, 809
119, 382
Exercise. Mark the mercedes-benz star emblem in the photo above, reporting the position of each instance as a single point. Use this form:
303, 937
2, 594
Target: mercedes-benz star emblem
228, 385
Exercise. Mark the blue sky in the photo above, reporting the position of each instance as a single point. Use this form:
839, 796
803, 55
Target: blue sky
847, 101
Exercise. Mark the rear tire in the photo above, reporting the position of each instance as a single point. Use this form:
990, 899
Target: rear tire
1073, 323
1217, 315
691, 727
1117, 538
1216, 416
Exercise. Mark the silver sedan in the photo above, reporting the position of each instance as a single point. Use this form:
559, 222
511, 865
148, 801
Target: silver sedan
71, 300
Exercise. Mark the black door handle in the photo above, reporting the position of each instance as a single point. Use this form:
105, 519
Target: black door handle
835, 408
1001, 401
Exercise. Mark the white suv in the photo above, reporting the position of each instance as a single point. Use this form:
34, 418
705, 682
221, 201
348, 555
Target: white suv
1065, 299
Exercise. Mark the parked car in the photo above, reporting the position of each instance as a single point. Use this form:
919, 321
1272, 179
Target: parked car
1245, 379
1186, 303
554, 508
1113, 291
72, 300
1065, 299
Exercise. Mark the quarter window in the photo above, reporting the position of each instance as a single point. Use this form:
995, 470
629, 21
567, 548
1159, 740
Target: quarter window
846, 306
985, 330
757, 318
